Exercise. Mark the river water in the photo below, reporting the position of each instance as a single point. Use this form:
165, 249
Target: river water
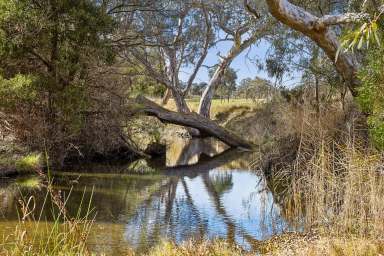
200, 190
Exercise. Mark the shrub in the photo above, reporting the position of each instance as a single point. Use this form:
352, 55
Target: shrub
371, 95
28, 163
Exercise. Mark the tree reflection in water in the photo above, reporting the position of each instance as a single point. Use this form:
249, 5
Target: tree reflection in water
177, 213
195, 193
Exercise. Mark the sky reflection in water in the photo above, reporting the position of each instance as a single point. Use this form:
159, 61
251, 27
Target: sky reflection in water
229, 201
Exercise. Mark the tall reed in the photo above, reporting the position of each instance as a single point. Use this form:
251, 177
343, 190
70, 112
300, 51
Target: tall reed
336, 183
64, 235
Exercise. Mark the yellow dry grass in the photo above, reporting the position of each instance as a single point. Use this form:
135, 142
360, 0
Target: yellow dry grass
218, 105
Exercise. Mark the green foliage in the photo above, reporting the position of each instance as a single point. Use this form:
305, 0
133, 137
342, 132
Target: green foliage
47, 49
147, 86
257, 88
228, 83
366, 34
371, 94
28, 163
17, 90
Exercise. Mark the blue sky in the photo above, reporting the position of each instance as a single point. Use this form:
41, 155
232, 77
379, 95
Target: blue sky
244, 64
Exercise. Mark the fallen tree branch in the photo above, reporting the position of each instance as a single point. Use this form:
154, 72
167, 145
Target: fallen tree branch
206, 126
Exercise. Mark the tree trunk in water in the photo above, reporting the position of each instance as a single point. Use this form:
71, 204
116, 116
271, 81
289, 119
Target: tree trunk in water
320, 32
204, 125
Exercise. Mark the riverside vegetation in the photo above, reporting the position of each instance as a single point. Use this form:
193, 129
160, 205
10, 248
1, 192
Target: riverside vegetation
87, 168
331, 192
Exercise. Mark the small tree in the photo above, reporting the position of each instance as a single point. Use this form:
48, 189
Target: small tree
256, 88
46, 50
227, 84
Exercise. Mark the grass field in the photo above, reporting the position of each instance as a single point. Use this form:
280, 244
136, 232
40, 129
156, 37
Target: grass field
218, 105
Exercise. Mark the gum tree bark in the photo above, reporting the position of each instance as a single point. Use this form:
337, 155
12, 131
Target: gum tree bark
166, 97
206, 98
320, 31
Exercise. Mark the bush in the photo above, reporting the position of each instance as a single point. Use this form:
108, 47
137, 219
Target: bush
28, 163
371, 95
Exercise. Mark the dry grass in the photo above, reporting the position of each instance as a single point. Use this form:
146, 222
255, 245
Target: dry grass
283, 245
310, 245
218, 105
35, 237
65, 235
336, 183
193, 248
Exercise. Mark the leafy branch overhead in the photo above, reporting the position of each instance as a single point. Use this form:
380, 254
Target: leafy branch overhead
366, 34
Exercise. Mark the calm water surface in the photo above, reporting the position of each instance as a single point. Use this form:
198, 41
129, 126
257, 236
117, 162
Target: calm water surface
201, 190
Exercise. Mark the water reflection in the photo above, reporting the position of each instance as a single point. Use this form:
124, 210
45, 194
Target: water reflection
202, 190
186, 152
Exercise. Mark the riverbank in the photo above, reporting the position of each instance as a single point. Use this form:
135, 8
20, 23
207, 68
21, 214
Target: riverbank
15, 159
283, 245
74, 242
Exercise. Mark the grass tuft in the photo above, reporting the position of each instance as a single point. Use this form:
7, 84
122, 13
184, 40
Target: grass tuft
29, 182
28, 163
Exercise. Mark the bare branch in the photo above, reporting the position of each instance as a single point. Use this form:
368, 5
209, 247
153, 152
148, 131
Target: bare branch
250, 10
41, 58
150, 71
180, 26
305, 22
330, 20
205, 51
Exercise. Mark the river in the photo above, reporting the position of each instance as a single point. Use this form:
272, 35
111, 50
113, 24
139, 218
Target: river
200, 189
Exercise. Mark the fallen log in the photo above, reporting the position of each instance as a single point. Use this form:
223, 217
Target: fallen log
206, 126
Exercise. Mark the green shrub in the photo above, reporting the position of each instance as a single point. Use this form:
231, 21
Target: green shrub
28, 163
371, 95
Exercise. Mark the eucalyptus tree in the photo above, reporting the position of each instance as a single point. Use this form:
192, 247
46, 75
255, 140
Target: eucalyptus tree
170, 35
241, 24
227, 84
324, 28
255, 89
173, 35
291, 57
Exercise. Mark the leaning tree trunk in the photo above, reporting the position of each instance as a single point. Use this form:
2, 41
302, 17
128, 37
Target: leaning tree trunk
166, 97
182, 107
319, 30
180, 102
238, 47
205, 126
209, 92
